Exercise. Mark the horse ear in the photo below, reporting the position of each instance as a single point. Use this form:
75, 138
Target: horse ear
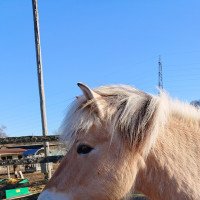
91, 95
88, 93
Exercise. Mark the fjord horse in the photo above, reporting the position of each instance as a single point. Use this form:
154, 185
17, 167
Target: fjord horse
123, 139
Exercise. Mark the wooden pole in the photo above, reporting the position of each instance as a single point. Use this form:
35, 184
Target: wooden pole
40, 81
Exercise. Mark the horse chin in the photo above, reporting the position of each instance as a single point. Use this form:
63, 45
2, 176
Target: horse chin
51, 195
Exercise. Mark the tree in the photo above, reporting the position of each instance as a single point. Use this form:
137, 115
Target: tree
195, 103
2, 131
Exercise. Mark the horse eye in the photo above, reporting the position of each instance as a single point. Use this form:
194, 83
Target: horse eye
83, 149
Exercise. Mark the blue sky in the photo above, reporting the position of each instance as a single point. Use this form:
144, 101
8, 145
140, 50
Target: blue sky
96, 42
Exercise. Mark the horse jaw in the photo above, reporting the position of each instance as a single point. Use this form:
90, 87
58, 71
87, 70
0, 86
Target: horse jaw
51, 195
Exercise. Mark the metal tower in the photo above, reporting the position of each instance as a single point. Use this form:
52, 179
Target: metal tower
160, 77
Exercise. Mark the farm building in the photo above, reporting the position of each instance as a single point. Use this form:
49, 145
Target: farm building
12, 153
18, 153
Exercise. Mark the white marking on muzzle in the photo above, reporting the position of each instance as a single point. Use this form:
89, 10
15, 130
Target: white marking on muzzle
51, 195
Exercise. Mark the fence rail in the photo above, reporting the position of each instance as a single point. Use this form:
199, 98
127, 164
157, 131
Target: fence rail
32, 160
29, 139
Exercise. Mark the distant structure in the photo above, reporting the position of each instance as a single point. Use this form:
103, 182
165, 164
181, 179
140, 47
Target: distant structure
160, 75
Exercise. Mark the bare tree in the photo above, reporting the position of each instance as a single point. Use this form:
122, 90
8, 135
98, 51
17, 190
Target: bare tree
2, 131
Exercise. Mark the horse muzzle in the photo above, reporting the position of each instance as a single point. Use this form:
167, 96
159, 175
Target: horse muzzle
53, 195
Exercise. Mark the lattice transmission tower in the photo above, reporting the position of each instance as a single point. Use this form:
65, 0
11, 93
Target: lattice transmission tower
160, 74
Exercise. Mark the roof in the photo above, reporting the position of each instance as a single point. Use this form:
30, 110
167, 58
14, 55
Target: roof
12, 151
30, 152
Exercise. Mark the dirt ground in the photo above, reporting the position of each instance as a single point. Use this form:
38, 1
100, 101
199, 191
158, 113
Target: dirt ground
33, 178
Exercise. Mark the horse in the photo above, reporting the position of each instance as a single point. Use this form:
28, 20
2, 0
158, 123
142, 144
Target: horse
124, 140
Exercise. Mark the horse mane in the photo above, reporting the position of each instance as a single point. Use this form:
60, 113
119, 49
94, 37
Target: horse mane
138, 117
184, 111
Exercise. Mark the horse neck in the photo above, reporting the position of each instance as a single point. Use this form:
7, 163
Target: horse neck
172, 166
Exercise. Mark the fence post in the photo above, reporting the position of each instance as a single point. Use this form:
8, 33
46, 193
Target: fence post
41, 82
8, 171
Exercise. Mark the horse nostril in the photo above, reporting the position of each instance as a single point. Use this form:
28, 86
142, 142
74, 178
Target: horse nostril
83, 149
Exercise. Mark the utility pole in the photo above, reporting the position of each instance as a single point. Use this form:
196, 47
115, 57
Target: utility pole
160, 76
41, 83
